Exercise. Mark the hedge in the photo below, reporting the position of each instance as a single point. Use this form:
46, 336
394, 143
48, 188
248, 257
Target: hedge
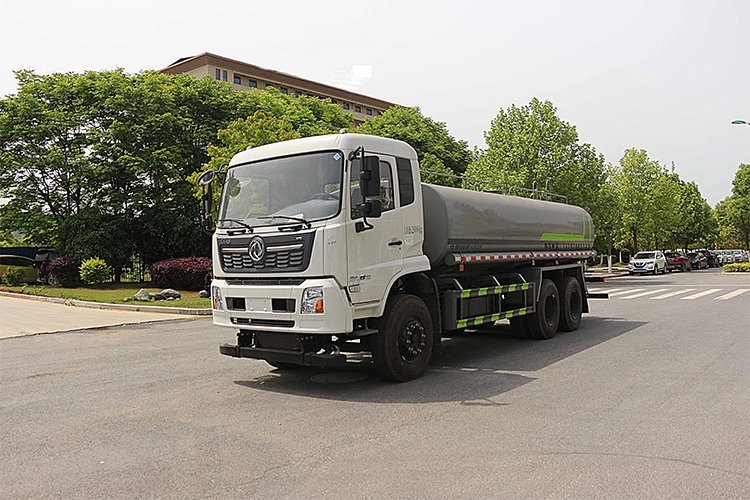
65, 270
187, 273
739, 267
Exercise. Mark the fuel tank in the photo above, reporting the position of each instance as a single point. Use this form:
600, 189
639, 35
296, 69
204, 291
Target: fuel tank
461, 220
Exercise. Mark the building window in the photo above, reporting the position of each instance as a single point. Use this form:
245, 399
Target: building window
252, 83
405, 181
224, 75
346, 105
268, 85
357, 109
297, 94
284, 90
380, 113
237, 79
218, 74
369, 112
334, 101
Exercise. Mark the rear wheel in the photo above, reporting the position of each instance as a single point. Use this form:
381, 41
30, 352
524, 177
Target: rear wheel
402, 348
543, 323
572, 305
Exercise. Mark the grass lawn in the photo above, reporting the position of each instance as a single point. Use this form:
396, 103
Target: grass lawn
112, 293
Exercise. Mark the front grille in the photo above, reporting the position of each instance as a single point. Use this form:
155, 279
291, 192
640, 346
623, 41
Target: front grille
266, 282
281, 323
283, 259
284, 253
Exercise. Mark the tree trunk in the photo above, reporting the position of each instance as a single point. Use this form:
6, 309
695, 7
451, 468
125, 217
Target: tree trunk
118, 273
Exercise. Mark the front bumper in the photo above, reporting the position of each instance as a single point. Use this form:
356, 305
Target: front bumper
641, 270
259, 313
283, 356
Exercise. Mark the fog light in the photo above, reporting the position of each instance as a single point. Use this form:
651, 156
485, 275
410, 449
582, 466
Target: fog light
312, 301
216, 300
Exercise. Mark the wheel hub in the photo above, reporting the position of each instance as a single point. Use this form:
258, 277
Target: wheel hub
412, 340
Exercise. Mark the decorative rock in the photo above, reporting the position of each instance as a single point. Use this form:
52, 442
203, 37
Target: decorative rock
142, 295
169, 292
157, 296
170, 298
203, 294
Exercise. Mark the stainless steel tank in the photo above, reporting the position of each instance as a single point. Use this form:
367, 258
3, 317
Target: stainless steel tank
460, 220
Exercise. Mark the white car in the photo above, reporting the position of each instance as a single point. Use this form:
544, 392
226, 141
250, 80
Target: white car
652, 262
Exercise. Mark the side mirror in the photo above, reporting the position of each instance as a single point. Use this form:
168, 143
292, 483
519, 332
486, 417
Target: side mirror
206, 200
369, 178
372, 207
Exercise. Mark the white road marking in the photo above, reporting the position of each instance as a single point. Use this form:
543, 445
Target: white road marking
733, 294
633, 290
605, 290
643, 294
672, 294
701, 294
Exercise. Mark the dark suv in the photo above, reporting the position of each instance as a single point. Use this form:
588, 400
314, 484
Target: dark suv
675, 260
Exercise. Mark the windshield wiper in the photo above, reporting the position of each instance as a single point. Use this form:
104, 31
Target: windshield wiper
296, 219
246, 226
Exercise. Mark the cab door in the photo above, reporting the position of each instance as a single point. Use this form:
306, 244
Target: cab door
376, 254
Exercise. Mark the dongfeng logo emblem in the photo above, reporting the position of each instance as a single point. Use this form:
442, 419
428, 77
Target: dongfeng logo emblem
257, 249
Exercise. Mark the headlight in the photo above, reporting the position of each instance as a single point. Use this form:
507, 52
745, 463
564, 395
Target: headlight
312, 300
216, 300
650, 264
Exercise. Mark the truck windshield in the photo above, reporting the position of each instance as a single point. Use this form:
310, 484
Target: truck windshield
304, 186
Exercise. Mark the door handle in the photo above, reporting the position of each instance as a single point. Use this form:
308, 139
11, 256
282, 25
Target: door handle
394, 243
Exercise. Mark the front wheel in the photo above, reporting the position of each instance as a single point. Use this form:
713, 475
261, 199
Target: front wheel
402, 348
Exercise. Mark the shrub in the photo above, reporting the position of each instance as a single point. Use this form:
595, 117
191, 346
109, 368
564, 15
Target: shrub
187, 273
95, 271
738, 267
13, 276
64, 271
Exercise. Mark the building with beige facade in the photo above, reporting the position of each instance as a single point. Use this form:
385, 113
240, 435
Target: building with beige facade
244, 76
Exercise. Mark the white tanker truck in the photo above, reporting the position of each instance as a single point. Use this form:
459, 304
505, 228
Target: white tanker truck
330, 247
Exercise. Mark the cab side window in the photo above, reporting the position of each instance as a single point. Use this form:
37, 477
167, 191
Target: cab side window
405, 181
387, 197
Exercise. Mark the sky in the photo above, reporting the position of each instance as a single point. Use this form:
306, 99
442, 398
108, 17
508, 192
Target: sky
664, 76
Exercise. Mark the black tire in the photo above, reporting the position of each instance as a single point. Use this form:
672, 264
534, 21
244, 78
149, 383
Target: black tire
402, 348
284, 366
656, 269
572, 305
543, 323
51, 280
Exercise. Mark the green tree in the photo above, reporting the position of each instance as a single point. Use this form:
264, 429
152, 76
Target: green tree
637, 181
425, 135
696, 220
108, 152
729, 234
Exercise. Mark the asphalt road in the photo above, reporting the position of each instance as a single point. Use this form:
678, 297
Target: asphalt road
648, 399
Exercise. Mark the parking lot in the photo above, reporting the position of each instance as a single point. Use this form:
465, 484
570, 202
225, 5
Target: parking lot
649, 398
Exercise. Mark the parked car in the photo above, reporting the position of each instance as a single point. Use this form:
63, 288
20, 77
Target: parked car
711, 259
739, 256
675, 260
648, 262
721, 257
28, 270
697, 260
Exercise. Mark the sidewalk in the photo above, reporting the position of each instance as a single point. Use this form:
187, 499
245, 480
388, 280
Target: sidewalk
21, 318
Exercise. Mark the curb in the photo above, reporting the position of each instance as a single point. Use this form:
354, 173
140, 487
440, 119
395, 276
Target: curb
103, 305
90, 328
